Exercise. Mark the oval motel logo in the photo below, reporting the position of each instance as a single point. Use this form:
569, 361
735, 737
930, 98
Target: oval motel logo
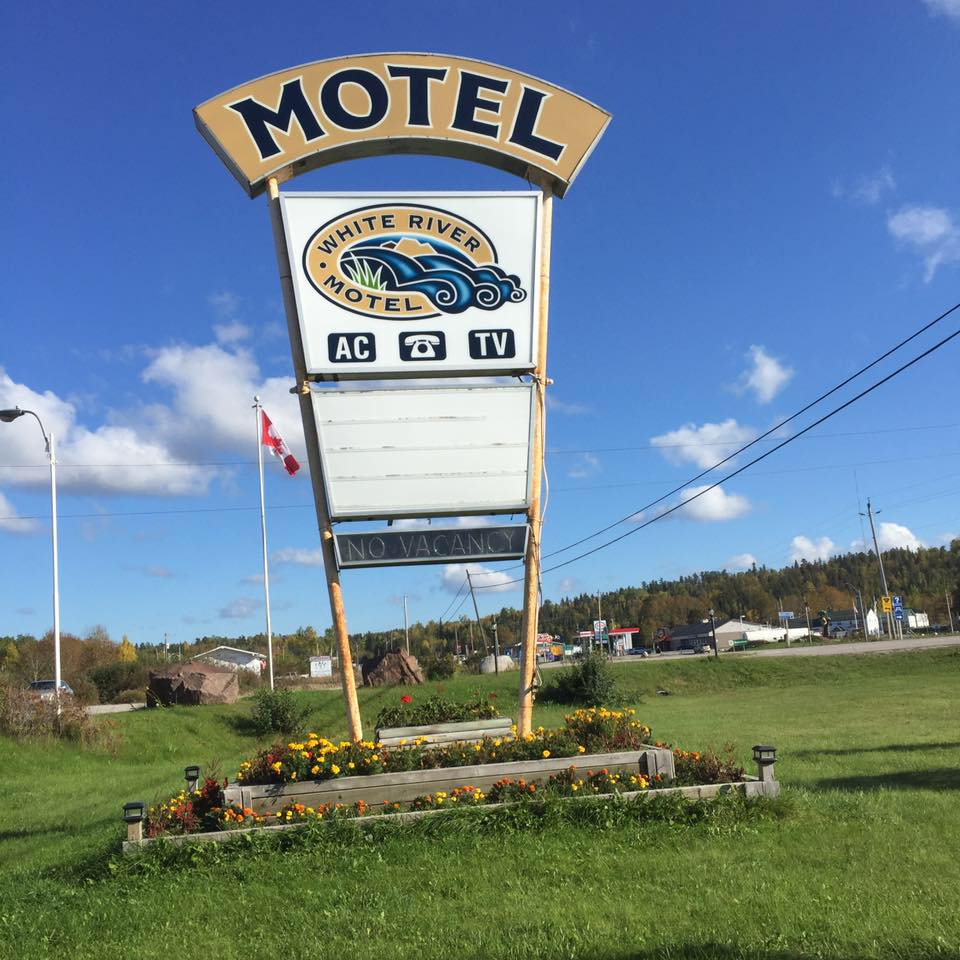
407, 262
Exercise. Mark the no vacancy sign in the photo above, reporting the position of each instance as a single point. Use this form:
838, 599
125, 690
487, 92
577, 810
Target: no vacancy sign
429, 284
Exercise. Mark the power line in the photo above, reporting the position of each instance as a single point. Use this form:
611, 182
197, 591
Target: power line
746, 466
559, 451
762, 436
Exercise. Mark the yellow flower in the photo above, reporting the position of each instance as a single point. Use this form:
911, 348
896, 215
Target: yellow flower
314, 770
293, 776
335, 769
375, 757
546, 753
581, 748
351, 765
276, 766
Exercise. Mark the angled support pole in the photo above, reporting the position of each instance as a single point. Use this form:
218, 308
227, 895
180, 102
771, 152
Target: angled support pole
316, 469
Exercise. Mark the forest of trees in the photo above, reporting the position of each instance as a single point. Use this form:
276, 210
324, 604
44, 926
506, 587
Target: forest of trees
98, 668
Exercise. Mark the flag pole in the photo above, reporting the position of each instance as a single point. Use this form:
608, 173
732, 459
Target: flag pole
263, 536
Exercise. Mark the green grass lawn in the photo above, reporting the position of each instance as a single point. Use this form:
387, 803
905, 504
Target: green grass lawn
860, 859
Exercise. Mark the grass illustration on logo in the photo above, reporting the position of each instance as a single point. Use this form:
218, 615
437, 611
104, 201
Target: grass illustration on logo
401, 262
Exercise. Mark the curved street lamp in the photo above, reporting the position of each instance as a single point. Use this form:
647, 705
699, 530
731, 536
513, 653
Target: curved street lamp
8, 416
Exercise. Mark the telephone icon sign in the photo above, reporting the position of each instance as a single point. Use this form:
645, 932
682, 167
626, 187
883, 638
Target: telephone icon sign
423, 345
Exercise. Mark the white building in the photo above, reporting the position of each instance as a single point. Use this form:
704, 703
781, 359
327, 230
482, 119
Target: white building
233, 659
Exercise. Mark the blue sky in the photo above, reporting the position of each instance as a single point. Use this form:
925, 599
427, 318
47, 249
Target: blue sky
775, 202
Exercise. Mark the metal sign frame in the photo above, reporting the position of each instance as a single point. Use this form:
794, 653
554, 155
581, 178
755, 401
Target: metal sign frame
514, 553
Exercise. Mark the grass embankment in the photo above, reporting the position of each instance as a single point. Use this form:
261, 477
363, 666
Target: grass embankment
863, 864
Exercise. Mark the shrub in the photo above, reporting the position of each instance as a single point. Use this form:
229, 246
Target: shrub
440, 666
25, 716
276, 711
590, 681
435, 709
113, 678
696, 767
131, 696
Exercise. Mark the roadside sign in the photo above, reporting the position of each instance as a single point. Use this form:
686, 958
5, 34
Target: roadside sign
785, 615
599, 629
382, 548
898, 608
886, 605
425, 285
321, 667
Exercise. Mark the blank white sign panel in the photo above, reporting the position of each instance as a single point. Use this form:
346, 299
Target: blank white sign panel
426, 452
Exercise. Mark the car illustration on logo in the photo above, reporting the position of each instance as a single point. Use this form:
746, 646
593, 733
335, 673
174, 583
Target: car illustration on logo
407, 262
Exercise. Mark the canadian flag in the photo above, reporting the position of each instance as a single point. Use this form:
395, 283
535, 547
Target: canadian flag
274, 442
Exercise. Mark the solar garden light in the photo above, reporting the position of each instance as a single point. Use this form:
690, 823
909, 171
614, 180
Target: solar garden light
8, 416
765, 757
134, 813
192, 775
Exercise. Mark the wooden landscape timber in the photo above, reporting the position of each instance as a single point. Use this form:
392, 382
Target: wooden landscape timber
374, 789
749, 787
468, 731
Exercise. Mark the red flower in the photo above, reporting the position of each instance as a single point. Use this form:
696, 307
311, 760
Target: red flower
406, 698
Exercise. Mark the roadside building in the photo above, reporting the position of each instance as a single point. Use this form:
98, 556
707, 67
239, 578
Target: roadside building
233, 659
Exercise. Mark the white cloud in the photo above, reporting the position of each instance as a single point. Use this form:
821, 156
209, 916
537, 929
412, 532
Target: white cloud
572, 409
227, 333
766, 376
568, 585
703, 445
714, 505
945, 8
105, 459
741, 561
12, 522
931, 231
868, 189
240, 609
485, 579
586, 466
803, 548
301, 556
891, 536
225, 302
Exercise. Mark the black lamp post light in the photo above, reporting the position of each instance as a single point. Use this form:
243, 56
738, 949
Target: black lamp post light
192, 775
8, 416
134, 814
765, 757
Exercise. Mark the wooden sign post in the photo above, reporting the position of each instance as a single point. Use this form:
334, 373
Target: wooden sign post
339, 616
531, 574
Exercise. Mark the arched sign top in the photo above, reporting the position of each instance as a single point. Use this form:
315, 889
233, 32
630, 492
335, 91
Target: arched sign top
376, 104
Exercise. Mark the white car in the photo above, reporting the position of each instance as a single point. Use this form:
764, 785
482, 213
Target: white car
46, 689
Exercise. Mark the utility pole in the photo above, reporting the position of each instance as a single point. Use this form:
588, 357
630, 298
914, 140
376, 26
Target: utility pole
406, 625
806, 609
483, 636
713, 629
883, 576
496, 648
946, 593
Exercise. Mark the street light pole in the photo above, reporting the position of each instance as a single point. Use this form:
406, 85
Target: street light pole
8, 416
883, 576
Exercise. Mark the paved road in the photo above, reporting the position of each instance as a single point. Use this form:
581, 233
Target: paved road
860, 646
808, 650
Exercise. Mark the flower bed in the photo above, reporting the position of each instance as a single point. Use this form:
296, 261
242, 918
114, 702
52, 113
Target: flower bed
435, 709
593, 731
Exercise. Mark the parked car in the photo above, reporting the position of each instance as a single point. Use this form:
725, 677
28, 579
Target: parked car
638, 652
46, 689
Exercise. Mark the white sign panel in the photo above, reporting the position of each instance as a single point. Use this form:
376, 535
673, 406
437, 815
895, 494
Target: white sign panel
426, 452
414, 285
321, 667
